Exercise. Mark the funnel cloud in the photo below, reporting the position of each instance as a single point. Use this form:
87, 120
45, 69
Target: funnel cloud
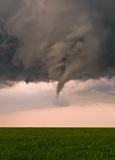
50, 40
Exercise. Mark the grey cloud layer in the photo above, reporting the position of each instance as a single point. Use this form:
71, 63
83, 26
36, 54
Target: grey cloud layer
42, 40
95, 92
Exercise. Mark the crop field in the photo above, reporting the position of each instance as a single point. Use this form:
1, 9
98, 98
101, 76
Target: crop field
57, 144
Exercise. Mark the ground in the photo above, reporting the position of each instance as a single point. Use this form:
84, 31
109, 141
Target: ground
57, 144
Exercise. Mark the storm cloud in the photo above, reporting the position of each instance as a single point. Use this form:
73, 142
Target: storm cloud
50, 40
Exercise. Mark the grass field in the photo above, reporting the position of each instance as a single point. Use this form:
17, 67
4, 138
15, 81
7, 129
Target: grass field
57, 144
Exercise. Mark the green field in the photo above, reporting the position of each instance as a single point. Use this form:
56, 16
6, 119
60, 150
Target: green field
57, 144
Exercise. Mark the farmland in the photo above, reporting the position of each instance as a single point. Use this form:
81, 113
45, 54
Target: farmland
57, 144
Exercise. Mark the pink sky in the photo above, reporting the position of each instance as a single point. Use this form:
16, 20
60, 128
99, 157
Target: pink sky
79, 105
102, 116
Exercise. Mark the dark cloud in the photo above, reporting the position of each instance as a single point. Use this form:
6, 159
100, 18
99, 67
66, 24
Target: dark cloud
42, 40
7, 8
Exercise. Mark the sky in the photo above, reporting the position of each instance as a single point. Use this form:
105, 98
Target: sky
57, 63
81, 104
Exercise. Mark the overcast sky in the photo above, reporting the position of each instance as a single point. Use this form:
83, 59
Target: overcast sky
57, 63
81, 104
